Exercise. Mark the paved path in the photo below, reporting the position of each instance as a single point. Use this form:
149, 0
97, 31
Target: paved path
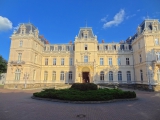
18, 105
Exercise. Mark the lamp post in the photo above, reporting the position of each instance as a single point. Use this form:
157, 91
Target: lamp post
26, 76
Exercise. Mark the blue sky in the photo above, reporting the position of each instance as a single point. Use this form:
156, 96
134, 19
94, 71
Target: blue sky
60, 20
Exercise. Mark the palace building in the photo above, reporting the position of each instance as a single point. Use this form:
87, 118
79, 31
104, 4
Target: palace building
34, 62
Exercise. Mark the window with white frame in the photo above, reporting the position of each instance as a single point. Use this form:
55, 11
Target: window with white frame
53, 75
19, 57
128, 76
101, 75
158, 56
85, 47
110, 76
119, 76
54, 61
156, 41
21, 43
70, 61
101, 61
62, 75
46, 61
62, 61
70, 75
119, 61
110, 61
45, 75
141, 74
140, 57
85, 58
17, 74
127, 61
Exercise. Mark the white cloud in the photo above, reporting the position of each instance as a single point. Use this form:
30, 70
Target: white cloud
5, 24
130, 16
104, 19
16, 28
118, 18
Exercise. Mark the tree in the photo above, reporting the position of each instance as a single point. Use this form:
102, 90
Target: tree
3, 65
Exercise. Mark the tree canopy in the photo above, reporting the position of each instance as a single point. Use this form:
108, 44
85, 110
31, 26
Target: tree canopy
3, 65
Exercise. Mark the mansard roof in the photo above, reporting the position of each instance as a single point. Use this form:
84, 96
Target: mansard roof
29, 27
88, 29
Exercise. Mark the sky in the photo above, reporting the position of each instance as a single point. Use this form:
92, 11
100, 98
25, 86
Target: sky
59, 21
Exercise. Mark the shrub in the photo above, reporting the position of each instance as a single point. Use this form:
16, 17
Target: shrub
84, 86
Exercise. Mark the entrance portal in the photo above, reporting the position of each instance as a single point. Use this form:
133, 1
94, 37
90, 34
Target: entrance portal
85, 77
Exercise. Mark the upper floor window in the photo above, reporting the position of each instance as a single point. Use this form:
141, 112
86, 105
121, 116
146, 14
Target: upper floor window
158, 56
19, 57
110, 75
59, 48
101, 75
118, 61
128, 76
70, 61
54, 61
21, 43
110, 61
85, 35
101, 61
127, 61
139, 46
140, 57
35, 58
85, 59
46, 61
156, 41
62, 61
86, 47
141, 72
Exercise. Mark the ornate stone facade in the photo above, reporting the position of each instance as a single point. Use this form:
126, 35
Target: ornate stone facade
33, 62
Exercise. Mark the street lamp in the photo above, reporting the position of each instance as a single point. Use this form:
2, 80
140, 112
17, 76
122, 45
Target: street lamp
26, 76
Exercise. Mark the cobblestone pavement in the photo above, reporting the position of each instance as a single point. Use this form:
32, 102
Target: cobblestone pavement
18, 105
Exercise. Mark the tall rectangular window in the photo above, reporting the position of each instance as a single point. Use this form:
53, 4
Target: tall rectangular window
46, 61
21, 43
62, 61
128, 76
118, 61
101, 61
127, 61
85, 47
140, 57
35, 58
119, 76
141, 72
54, 61
70, 61
19, 57
85, 59
156, 41
110, 61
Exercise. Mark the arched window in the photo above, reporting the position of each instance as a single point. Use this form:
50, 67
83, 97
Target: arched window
45, 75
158, 75
119, 76
62, 75
17, 74
110, 75
128, 76
53, 75
141, 73
101, 75
70, 75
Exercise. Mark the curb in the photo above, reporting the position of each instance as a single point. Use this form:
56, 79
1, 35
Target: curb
83, 102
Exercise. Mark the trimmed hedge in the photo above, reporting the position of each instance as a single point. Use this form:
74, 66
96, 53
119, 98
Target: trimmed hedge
89, 95
84, 86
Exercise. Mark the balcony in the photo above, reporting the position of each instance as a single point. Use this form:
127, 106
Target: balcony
17, 62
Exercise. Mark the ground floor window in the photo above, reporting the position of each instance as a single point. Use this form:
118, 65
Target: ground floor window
158, 75
128, 76
62, 75
54, 75
45, 76
101, 75
70, 75
110, 76
119, 76
141, 72
17, 74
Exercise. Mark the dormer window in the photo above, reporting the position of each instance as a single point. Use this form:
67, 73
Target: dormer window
86, 47
85, 36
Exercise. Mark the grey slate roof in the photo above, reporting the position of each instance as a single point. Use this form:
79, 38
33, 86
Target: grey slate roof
89, 29
28, 26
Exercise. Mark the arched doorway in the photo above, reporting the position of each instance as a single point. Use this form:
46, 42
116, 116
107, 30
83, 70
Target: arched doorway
85, 75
